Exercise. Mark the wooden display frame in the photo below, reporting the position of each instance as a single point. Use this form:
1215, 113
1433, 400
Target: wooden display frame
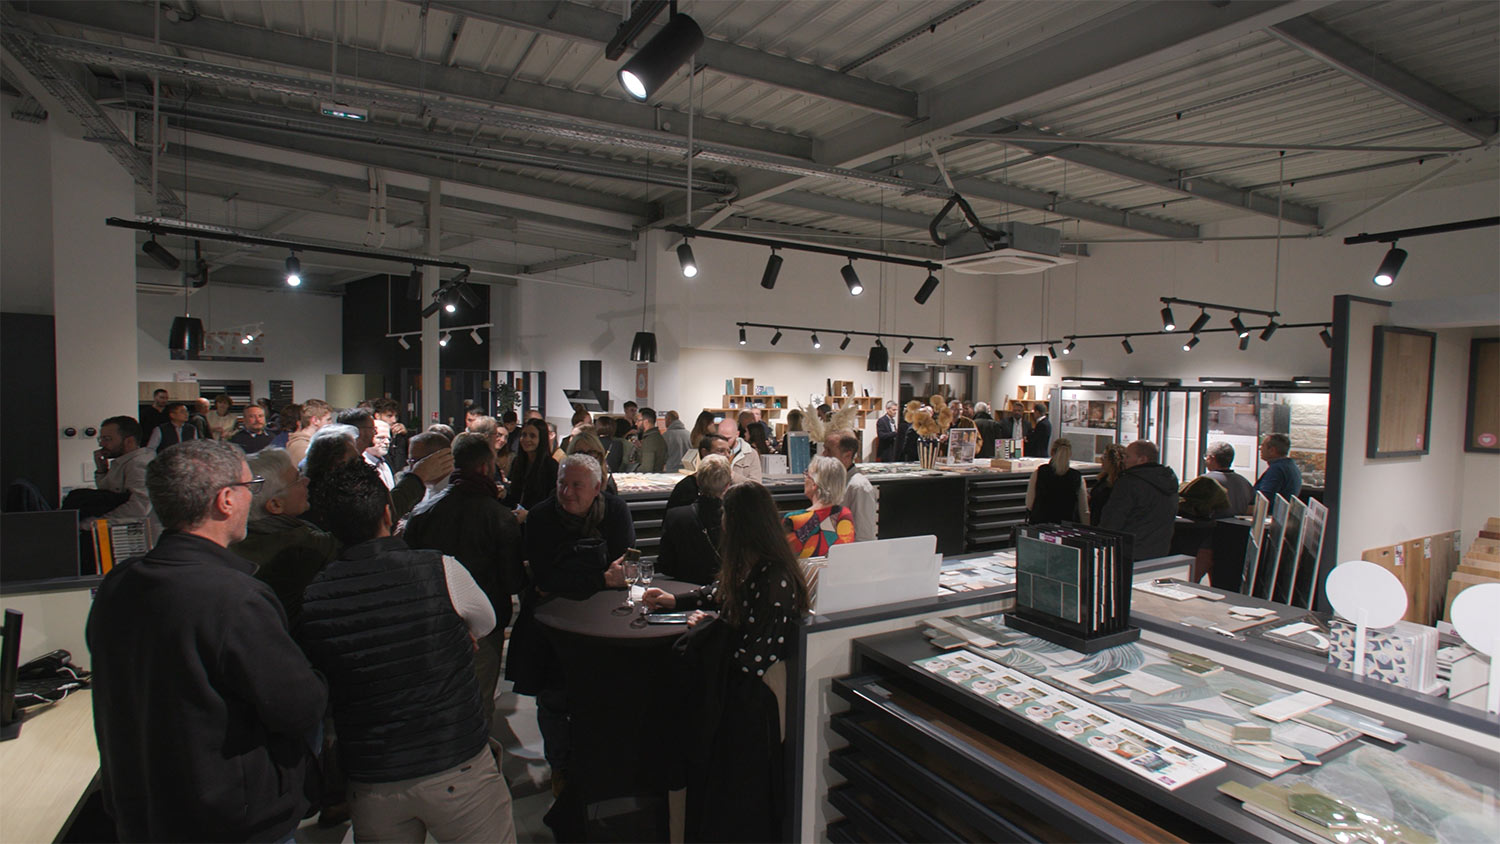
1400, 400
1482, 419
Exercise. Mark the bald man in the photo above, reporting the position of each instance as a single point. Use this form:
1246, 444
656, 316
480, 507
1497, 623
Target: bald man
744, 461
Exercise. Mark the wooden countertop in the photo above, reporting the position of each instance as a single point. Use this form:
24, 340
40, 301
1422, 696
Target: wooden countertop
48, 769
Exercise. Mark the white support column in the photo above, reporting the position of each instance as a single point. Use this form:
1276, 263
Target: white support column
431, 383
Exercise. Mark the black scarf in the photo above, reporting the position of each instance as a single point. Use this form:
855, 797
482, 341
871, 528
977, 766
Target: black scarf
587, 525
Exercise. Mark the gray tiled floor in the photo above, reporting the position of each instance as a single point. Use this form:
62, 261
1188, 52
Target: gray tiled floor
525, 770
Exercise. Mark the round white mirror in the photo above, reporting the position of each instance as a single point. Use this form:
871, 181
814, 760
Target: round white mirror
1357, 586
1476, 617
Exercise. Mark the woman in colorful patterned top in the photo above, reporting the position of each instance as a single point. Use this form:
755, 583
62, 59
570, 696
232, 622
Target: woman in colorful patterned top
813, 531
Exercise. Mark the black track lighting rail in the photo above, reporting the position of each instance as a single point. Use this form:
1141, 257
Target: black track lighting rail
1014, 343
773, 243
1181, 333
1440, 228
879, 335
210, 233
1212, 306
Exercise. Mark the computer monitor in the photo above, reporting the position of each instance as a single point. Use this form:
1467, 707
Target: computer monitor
10, 661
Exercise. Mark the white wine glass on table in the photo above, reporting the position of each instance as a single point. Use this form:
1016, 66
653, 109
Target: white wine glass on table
631, 563
646, 573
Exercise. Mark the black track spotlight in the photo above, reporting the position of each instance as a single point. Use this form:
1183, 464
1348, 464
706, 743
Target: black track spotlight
816, 343
1327, 337
907, 348
1198, 323
1129, 349
947, 350
450, 303
643, 347
1239, 327
1052, 351
443, 340
293, 271
743, 341
1041, 366
999, 354
414, 284
158, 253
776, 338
879, 359
844, 345
1270, 329
1068, 349
942, 349
851, 278
970, 355
655, 63
929, 287
686, 259
1245, 342
1188, 346
1022, 353
1390, 267
773, 269
1168, 322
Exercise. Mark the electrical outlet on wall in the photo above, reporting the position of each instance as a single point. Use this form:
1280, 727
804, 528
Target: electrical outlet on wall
69, 432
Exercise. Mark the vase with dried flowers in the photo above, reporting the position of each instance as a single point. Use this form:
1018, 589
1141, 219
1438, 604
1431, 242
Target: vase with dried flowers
930, 422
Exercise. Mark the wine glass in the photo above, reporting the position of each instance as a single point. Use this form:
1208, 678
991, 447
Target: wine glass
645, 573
632, 577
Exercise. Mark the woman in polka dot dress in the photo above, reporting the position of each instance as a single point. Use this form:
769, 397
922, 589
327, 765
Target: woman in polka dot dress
761, 594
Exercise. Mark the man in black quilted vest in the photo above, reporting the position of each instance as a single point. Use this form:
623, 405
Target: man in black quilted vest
394, 631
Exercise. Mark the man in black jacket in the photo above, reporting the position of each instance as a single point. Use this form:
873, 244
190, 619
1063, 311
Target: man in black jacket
467, 521
1039, 438
1144, 501
205, 710
392, 627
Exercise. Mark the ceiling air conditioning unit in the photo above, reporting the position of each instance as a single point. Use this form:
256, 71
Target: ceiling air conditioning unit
1026, 249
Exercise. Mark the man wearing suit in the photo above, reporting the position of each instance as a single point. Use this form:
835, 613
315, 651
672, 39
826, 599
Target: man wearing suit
886, 434
1040, 437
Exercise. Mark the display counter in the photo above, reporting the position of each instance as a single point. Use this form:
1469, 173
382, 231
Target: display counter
968, 508
917, 747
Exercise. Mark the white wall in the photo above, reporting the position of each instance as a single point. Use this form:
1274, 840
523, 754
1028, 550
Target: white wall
1119, 285
1392, 499
93, 291
26, 215
303, 340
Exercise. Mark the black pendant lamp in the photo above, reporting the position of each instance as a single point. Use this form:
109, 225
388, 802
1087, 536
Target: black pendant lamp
879, 359
1041, 365
186, 335
643, 347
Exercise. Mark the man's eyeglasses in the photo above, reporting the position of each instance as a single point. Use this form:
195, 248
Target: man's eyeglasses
254, 484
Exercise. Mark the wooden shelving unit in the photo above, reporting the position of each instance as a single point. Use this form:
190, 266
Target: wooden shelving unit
744, 398
1026, 401
841, 395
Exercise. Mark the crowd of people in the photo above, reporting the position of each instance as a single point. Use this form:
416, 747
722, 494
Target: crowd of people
327, 615
333, 600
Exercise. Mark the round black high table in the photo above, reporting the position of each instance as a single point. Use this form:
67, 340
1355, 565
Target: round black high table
620, 683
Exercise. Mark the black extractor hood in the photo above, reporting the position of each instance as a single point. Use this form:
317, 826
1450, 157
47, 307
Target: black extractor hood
590, 394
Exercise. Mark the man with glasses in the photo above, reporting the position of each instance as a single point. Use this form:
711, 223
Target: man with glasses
287, 550
205, 710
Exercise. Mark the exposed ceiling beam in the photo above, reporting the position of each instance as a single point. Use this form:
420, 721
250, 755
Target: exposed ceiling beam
390, 159
809, 201
41, 75
1155, 175
561, 263
1093, 54
596, 27
497, 93
1054, 203
1370, 69
317, 178
824, 237
339, 202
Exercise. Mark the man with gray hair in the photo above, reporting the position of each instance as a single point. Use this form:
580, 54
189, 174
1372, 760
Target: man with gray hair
1144, 501
336, 444
1281, 477
199, 692
288, 551
1218, 464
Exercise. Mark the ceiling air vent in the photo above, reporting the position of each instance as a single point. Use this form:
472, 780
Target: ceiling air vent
1027, 249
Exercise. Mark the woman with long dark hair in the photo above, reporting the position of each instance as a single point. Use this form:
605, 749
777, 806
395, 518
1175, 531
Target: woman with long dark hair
734, 765
702, 426
533, 470
1111, 463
